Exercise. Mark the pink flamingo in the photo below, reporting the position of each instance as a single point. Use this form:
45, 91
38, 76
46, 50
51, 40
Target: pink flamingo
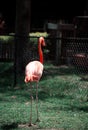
33, 73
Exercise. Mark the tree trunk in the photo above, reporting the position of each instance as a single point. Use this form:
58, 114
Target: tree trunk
22, 30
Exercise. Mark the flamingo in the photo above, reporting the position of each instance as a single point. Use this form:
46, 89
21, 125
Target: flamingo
33, 73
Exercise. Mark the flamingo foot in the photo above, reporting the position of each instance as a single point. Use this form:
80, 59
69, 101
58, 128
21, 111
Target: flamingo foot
30, 124
38, 120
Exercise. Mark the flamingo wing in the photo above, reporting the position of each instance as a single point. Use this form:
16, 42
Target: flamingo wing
33, 71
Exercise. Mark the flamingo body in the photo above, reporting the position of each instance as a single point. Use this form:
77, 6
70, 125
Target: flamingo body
33, 71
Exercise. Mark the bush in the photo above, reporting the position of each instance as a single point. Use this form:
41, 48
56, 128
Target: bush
6, 39
33, 37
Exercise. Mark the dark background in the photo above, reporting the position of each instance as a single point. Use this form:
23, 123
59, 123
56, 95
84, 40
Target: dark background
41, 10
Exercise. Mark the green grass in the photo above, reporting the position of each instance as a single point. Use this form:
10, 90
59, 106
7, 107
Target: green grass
63, 99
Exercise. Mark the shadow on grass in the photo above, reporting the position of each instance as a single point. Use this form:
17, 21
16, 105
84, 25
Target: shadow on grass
9, 126
26, 127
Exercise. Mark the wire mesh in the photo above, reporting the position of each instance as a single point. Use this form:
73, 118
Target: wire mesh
71, 52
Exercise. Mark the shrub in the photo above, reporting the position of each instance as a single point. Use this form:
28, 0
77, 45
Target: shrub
33, 37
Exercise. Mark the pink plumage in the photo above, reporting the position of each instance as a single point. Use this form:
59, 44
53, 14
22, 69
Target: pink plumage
33, 71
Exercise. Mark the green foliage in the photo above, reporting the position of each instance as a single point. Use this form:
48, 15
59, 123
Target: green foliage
6, 39
33, 37
39, 34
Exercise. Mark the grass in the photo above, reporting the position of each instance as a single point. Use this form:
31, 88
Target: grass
63, 99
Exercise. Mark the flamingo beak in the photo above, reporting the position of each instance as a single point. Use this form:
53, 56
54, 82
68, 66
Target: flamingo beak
44, 44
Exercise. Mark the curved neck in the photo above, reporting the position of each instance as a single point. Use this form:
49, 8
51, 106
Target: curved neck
40, 53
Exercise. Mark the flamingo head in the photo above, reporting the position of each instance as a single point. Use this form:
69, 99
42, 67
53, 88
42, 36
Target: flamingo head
42, 41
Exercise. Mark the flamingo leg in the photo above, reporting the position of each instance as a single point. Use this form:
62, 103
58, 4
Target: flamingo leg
37, 103
31, 96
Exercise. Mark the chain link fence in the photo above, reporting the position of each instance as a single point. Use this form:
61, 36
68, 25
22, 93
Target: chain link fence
69, 51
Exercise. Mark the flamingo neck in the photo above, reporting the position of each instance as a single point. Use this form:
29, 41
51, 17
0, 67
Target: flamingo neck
40, 53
